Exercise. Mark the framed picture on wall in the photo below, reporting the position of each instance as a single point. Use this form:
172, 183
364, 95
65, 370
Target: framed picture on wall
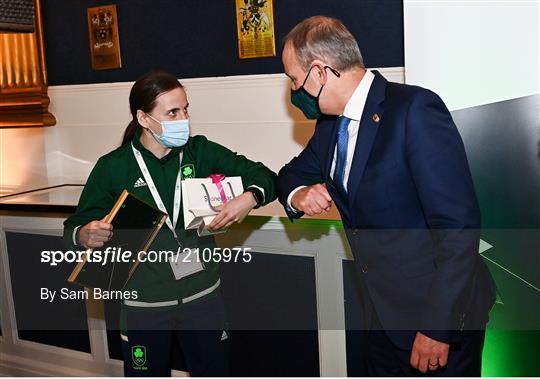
255, 28
104, 41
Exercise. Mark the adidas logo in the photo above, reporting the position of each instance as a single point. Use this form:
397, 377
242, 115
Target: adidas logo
139, 183
224, 336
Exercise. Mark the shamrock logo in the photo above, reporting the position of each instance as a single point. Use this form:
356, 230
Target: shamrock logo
138, 355
188, 172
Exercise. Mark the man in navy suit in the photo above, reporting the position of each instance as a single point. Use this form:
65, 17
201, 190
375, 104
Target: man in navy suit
391, 159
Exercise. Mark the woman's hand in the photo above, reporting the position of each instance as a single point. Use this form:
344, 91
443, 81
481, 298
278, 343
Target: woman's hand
233, 211
95, 234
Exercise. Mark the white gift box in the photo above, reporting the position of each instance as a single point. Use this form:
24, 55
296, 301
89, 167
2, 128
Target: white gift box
201, 196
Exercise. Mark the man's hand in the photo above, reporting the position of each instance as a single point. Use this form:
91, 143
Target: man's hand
233, 211
95, 234
312, 200
428, 354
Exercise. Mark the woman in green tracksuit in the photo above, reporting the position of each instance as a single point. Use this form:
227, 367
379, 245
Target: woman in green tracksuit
156, 151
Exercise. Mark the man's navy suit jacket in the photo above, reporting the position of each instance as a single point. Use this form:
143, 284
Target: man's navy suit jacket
410, 213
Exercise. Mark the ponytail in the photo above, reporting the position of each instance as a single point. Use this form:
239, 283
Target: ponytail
129, 133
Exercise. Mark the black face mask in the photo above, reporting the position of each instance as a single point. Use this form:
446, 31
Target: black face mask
305, 101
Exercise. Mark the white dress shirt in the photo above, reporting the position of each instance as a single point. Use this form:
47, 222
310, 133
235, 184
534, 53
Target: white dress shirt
353, 110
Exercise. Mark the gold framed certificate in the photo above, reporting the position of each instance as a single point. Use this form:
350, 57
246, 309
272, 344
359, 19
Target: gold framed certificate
255, 27
104, 41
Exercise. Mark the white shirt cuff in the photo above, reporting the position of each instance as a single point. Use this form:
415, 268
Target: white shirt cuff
289, 198
74, 235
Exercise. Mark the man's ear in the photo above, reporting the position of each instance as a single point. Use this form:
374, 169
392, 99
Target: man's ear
320, 73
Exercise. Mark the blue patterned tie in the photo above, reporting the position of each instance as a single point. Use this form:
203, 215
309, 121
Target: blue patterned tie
342, 142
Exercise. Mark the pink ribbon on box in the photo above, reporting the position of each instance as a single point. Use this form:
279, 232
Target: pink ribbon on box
217, 179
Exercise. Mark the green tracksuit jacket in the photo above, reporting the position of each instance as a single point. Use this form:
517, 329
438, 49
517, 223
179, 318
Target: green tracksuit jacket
118, 170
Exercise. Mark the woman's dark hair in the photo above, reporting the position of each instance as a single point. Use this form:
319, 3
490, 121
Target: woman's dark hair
143, 96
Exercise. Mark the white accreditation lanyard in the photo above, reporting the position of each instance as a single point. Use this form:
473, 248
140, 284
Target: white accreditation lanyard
155, 193
182, 264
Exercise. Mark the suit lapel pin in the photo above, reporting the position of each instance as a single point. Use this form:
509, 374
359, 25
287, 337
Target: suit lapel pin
376, 117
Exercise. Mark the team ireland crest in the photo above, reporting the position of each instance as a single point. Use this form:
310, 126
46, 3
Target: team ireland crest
188, 171
138, 354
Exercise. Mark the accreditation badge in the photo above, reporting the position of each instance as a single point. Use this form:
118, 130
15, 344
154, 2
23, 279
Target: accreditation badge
185, 263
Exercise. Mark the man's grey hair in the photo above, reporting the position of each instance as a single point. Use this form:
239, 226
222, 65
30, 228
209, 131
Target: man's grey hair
327, 39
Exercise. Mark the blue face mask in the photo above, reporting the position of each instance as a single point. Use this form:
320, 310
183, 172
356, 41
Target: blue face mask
173, 133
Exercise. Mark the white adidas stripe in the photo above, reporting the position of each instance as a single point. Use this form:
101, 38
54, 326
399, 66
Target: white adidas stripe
139, 183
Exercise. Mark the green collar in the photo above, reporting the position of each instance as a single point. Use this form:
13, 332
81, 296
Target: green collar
139, 146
